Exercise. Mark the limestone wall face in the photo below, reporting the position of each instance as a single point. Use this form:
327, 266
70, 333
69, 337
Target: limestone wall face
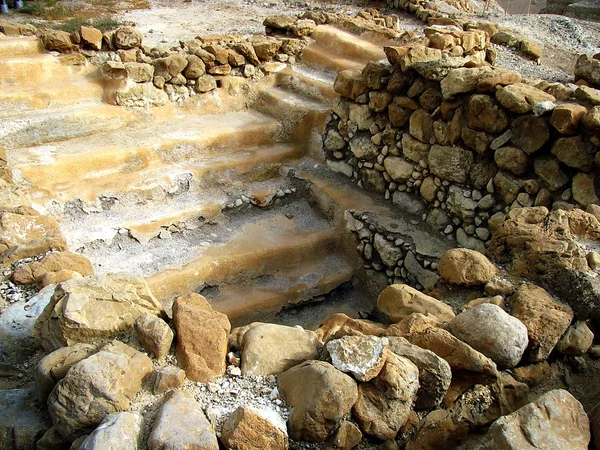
460, 150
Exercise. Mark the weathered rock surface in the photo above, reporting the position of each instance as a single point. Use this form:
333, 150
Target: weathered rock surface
94, 308
576, 341
490, 330
346, 437
520, 98
556, 420
361, 356
17, 326
269, 349
117, 431
340, 325
53, 262
466, 267
53, 367
320, 396
545, 318
127, 37
533, 241
588, 69
57, 40
578, 289
21, 424
434, 373
202, 338
181, 424
99, 385
400, 300
252, 429
385, 402
154, 334
450, 163
168, 377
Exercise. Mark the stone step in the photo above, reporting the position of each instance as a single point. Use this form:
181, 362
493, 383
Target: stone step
119, 156
20, 46
279, 102
319, 56
17, 100
143, 221
308, 81
242, 245
52, 125
348, 45
196, 174
265, 296
29, 70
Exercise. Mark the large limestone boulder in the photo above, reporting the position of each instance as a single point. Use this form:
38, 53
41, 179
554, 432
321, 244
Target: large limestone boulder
269, 349
490, 330
579, 290
202, 338
57, 40
320, 396
117, 431
94, 308
54, 367
181, 424
99, 385
554, 421
401, 300
434, 373
466, 267
533, 241
361, 356
545, 318
384, 403
249, 428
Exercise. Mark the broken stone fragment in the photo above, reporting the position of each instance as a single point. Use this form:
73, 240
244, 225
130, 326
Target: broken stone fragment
361, 356
250, 428
154, 334
202, 338
166, 378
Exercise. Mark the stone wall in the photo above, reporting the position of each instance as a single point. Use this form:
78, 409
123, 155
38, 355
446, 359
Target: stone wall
460, 147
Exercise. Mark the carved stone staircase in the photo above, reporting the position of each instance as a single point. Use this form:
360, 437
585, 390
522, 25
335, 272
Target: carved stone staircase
192, 201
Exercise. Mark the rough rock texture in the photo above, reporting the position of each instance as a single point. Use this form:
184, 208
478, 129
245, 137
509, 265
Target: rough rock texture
384, 403
466, 267
53, 367
520, 98
346, 437
588, 69
490, 330
202, 338
127, 37
101, 384
340, 325
545, 318
57, 40
94, 308
556, 420
434, 373
576, 341
269, 349
533, 241
21, 424
320, 396
53, 262
361, 356
181, 425
251, 429
118, 431
580, 290
168, 377
401, 300
154, 334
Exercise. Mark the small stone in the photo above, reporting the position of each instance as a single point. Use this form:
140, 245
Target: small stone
361, 356
466, 267
154, 334
167, 378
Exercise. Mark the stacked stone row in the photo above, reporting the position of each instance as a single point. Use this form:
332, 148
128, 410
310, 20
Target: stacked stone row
462, 149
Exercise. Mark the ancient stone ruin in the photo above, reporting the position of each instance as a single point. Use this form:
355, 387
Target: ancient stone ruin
339, 233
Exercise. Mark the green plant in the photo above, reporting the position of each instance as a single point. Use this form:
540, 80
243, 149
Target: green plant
34, 8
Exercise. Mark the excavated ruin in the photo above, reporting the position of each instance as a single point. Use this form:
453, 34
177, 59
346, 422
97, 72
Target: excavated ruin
338, 174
